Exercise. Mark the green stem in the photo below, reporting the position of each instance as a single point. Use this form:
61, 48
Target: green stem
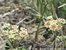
37, 32
36, 35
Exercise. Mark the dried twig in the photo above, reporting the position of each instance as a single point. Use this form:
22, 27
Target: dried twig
21, 21
30, 21
8, 13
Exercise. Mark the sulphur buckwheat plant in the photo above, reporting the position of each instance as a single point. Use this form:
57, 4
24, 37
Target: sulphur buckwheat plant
12, 31
54, 24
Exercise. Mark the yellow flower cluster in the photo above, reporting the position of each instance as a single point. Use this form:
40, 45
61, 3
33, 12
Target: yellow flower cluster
54, 24
6, 26
12, 31
62, 21
23, 33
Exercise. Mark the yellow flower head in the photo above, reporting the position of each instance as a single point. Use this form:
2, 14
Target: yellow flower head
61, 20
6, 25
23, 32
46, 24
54, 27
49, 18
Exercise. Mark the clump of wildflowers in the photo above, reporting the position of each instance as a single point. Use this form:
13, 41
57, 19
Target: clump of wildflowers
13, 32
53, 24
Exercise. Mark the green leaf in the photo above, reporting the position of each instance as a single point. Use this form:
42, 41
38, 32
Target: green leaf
23, 48
60, 37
